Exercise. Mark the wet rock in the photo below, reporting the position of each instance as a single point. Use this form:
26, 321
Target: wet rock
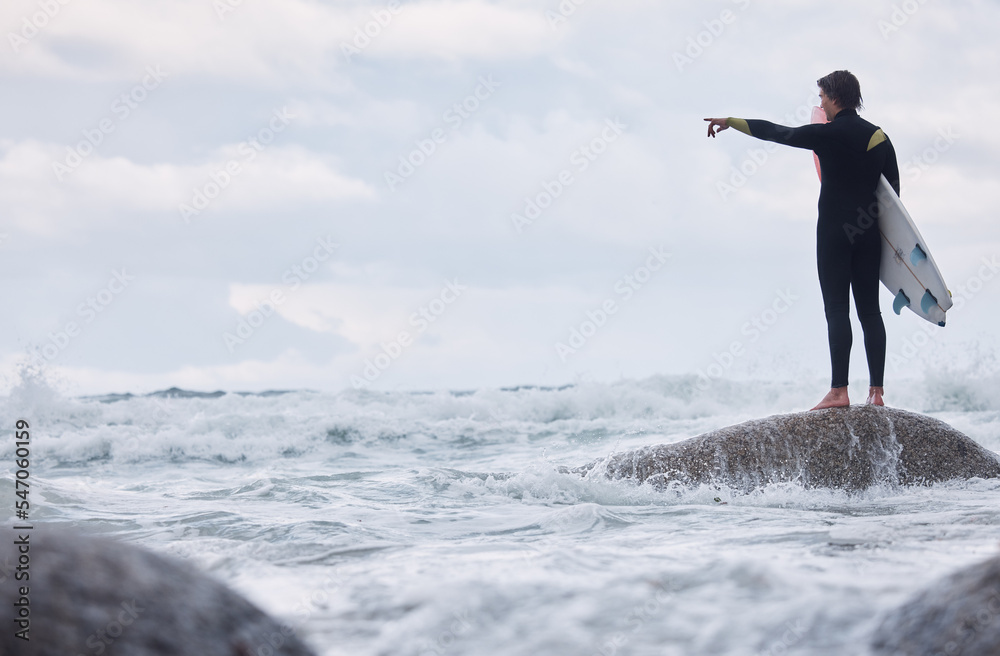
957, 616
850, 448
91, 595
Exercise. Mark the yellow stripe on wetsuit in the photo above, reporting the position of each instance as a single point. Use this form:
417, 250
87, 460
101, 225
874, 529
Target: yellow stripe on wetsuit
876, 139
740, 124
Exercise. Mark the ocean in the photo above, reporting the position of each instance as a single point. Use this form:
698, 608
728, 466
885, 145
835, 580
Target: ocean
441, 522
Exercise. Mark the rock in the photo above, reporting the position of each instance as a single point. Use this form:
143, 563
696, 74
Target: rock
91, 595
850, 448
959, 615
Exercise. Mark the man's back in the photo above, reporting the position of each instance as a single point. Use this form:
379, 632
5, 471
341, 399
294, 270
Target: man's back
853, 154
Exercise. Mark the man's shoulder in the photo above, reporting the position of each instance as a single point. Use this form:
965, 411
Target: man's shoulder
863, 125
862, 133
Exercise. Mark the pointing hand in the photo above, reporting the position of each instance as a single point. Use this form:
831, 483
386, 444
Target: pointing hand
718, 123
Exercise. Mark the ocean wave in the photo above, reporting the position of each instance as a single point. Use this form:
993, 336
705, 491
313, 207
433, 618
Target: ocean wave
585, 418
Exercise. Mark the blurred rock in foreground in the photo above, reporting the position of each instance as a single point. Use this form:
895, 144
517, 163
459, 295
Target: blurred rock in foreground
91, 595
957, 616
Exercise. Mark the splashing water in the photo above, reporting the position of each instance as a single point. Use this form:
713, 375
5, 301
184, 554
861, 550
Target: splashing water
446, 523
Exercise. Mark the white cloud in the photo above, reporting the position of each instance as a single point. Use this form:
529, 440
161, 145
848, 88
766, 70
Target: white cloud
362, 313
272, 41
402, 116
105, 188
455, 30
255, 40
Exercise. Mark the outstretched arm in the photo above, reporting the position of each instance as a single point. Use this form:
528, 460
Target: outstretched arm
806, 136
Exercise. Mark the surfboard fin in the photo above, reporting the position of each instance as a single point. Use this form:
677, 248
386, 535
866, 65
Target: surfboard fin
917, 255
901, 302
928, 301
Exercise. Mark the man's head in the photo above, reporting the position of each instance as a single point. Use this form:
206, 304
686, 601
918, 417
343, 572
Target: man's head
839, 90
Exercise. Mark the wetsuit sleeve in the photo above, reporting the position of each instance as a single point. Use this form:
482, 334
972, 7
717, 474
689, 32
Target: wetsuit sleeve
891, 168
805, 136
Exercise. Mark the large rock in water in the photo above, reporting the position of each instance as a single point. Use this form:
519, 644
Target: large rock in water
90, 595
850, 448
959, 615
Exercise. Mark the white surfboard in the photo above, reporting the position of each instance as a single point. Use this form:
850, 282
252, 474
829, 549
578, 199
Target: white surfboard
906, 268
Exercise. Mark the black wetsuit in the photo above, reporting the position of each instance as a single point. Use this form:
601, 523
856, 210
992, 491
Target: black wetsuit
853, 154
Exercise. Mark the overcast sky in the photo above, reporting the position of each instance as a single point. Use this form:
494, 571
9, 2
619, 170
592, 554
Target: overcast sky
253, 194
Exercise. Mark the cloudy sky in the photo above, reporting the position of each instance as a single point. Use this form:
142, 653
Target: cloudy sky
253, 194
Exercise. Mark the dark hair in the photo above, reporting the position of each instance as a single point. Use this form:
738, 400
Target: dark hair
843, 88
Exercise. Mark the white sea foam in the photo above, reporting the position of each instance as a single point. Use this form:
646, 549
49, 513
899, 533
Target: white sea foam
446, 522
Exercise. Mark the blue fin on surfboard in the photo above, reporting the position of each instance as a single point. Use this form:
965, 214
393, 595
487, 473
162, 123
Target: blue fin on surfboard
901, 302
928, 301
917, 255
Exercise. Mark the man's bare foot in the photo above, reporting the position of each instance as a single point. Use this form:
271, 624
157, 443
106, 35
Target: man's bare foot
835, 398
875, 396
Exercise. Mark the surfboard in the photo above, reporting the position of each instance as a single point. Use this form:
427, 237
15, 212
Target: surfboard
906, 268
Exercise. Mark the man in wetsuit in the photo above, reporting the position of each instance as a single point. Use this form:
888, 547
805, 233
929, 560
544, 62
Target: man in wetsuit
853, 154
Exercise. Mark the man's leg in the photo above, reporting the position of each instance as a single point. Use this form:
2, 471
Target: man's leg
835, 280
864, 283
